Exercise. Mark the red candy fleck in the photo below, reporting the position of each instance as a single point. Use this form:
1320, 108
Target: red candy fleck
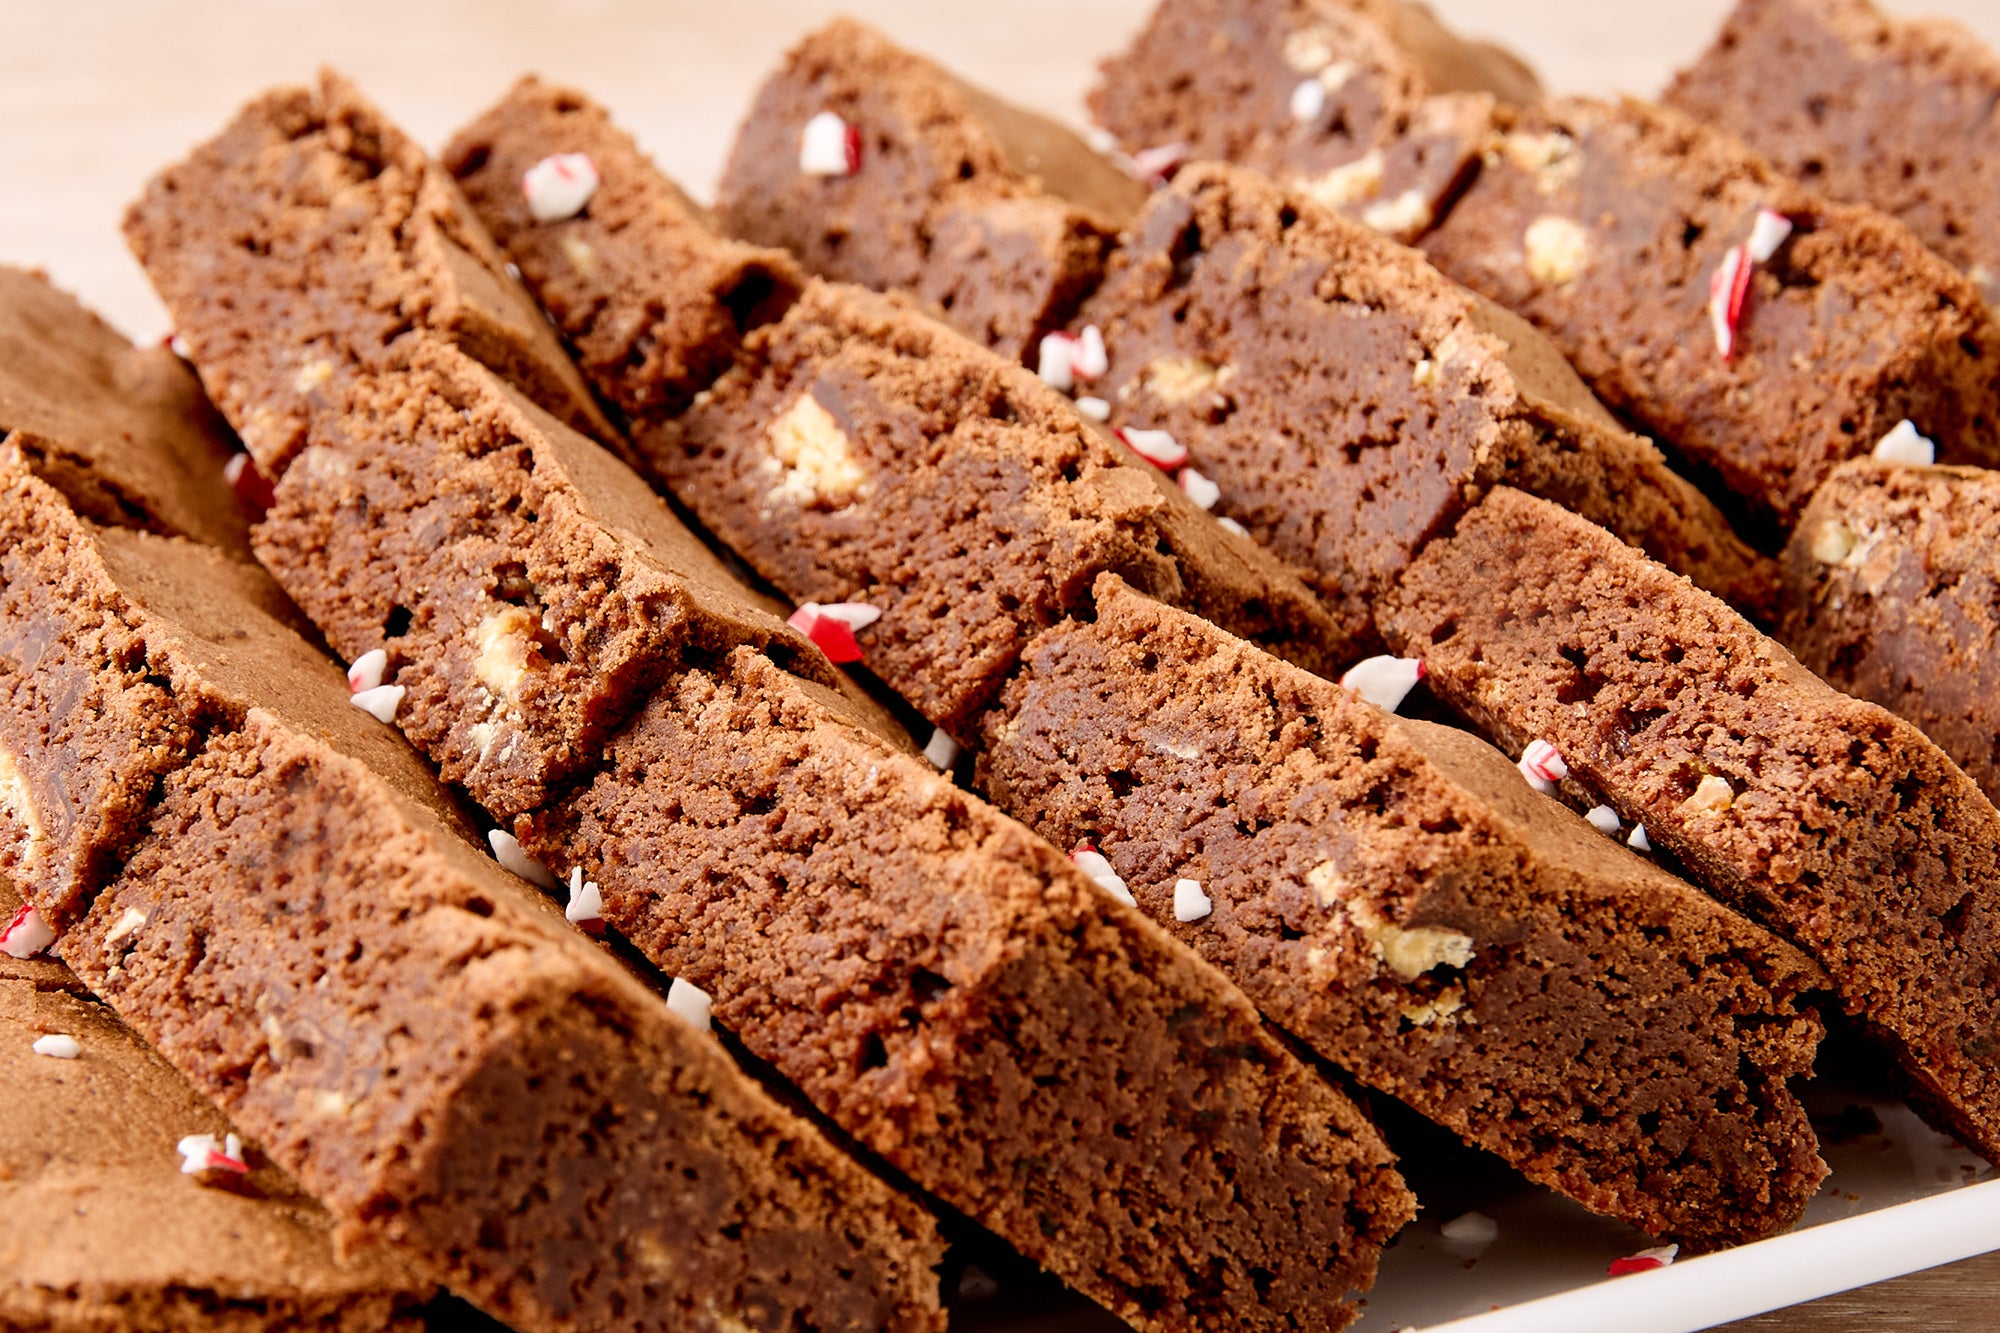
1645, 1261
832, 635
1728, 289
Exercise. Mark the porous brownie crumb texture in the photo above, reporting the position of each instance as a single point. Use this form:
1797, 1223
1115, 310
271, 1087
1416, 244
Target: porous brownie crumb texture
296, 249
997, 218
638, 234
1892, 594
862, 452
1851, 327
104, 1233
1829, 819
122, 431
529, 590
1395, 126
1395, 895
1023, 1048
1351, 401
1892, 112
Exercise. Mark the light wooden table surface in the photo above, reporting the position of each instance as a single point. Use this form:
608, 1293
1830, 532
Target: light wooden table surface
97, 94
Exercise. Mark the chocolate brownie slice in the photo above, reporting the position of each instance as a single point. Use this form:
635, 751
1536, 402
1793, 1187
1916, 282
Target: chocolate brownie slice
860, 452
1350, 401
528, 591
997, 217
962, 1000
1371, 106
123, 431
412, 1032
1892, 594
1615, 227
303, 244
1832, 821
104, 1233
1394, 894
703, 294
1893, 112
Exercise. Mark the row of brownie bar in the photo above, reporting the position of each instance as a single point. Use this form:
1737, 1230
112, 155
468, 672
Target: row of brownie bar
949, 991
1728, 754
1394, 895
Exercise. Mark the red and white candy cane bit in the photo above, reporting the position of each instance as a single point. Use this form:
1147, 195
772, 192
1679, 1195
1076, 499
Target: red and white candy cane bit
1088, 357
201, 1153
367, 671
559, 186
1384, 681
831, 627
1645, 1261
253, 489
1157, 447
1728, 290
829, 146
1155, 166
1204, 492
26, 935
1767, 234
1543, 767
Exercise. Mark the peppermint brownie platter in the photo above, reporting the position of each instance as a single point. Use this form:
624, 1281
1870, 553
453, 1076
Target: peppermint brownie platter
1008, 696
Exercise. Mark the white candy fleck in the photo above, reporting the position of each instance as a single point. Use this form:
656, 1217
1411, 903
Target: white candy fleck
828, 146
691, 1003
128, 923
942, 750
1470, 1231
367, 671
1384, 681
1157, 447
1638, 842
201, 1153
1199, 489
854, 615
1091, 359
1055, 361
507, 851
1231, 525
1097, 409
586, 904
58, 1046
1190, 903
381, 702
1768, 233
1543, 767
1904, 444
1604, 819
1092, 863
1308, 101
1100, 140
558, 186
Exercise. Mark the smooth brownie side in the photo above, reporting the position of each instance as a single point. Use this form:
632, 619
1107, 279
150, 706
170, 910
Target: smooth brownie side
301, 245
124, 432
1828, 819
1603, 225
1892, 112
1892, 594
104, 1234
704, 293
1393, 893
1350, 401
1369, 106
964, 1002
861, 452
996, 218
414, 1034
528, 589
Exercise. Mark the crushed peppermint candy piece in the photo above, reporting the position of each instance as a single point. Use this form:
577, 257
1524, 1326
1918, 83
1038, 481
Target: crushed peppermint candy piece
558, 186
1190, 903
1645, 1261
1157, 447
1101, 140
831, 627
200, 1153
1384, 681
1092, 863
1604, 819
1543, 767
176, 344
1156, 166
1470, 1231
253, 489
691, 1003
507, 851
129, 922
1728, 289
1308, 101
942, 750
1905, 444
1097, 409
829, 146
1090, 357
1639, 842
1769, 232
26, 935
586, 903
367, 670
1055, 361
58, 1046
380, 703
1231, 525
1198, 488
